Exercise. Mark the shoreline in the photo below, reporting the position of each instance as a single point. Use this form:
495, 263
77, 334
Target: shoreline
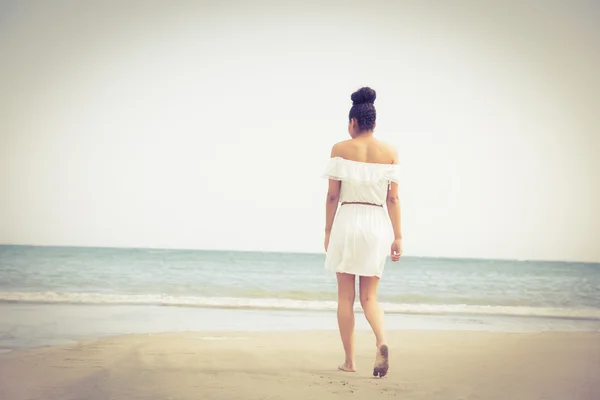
299, 365
590, 314
41, 325
586, 312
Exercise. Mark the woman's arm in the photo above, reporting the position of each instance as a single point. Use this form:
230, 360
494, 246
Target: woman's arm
331, 204
393, 207
332, 200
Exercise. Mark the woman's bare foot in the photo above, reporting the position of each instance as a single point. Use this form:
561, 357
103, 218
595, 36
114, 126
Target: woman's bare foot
348, 367
381, 361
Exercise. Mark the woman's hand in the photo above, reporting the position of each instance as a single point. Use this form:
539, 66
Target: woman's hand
326, 241
396, 250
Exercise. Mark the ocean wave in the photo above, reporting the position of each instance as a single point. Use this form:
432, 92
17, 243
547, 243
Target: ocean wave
290, 304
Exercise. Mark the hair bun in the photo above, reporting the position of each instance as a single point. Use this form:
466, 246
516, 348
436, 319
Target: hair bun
364, 95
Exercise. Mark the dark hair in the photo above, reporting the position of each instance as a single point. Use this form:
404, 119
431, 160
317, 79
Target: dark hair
363, 108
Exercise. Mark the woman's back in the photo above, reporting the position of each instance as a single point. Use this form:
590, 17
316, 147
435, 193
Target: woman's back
366, 168
365, 149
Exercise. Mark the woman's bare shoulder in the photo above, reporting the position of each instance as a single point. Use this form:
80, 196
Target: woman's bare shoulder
387, 146
340, 149
387, 152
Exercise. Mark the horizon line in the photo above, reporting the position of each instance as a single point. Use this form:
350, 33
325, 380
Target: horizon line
288, 252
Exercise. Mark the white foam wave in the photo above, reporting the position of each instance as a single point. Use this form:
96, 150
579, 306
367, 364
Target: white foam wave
289, 304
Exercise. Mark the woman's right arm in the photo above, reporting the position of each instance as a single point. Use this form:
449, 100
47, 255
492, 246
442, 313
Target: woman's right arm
393, 207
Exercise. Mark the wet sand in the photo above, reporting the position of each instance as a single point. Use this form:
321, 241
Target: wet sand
303, 365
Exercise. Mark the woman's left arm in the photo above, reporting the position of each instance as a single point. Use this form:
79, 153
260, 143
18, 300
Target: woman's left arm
332, 201
331, 204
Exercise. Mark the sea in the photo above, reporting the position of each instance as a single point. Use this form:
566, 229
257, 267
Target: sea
51, 295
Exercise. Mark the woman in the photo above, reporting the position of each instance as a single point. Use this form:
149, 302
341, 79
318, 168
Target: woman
363, 175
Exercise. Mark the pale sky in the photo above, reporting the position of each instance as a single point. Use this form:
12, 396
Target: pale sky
208, 126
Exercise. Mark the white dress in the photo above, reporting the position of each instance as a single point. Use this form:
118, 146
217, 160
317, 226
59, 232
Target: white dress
361, 235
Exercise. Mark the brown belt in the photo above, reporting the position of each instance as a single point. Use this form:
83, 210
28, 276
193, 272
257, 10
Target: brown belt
363, 203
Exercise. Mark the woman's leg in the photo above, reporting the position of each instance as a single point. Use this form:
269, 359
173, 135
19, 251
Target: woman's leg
374, 314
345, 315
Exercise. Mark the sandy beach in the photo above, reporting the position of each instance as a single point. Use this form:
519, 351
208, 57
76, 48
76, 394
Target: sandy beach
302, 365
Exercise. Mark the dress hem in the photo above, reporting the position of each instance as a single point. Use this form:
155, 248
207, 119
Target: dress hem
344, 271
